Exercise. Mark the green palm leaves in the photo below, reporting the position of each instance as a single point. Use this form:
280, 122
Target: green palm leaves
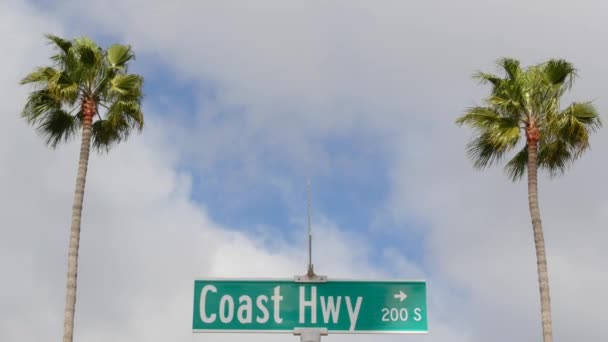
528, 101
86, 89
82, 71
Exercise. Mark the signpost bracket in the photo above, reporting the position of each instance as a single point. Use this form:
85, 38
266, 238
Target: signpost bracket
310, 334
307, 278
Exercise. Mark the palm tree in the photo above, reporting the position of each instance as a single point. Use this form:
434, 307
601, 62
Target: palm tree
85, 88
528, 101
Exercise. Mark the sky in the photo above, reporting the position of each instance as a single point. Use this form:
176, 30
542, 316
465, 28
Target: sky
244, 102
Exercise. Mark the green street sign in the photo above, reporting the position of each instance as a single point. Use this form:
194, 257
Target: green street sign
282, 305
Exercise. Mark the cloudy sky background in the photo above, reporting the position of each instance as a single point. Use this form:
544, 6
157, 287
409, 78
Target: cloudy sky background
245, 101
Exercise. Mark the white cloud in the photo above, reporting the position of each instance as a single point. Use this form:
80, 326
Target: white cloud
398, 73
143, 240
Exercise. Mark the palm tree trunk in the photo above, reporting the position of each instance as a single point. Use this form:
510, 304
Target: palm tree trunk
539, 240
88, 108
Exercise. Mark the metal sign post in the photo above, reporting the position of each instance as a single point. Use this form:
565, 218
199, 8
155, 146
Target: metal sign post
310, 334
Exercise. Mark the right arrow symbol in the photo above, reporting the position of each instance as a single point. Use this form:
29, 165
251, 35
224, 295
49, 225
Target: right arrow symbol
401, 296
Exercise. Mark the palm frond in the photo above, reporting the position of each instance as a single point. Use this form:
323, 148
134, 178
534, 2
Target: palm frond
559, 72
65, 88
126, 86
509, 104
108, 132
511, 67
572, 128
130, 110
62, 44
496, 135
42, 75
516, 167
71, 65
582, 114
57, 126
565, 137
487, 78
486, 118
70, 92
89, 56
488, 148
39, 103
555, 157
118, 55
121, 119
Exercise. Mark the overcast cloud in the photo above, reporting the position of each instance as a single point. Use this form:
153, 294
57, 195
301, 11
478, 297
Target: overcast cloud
275, 82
